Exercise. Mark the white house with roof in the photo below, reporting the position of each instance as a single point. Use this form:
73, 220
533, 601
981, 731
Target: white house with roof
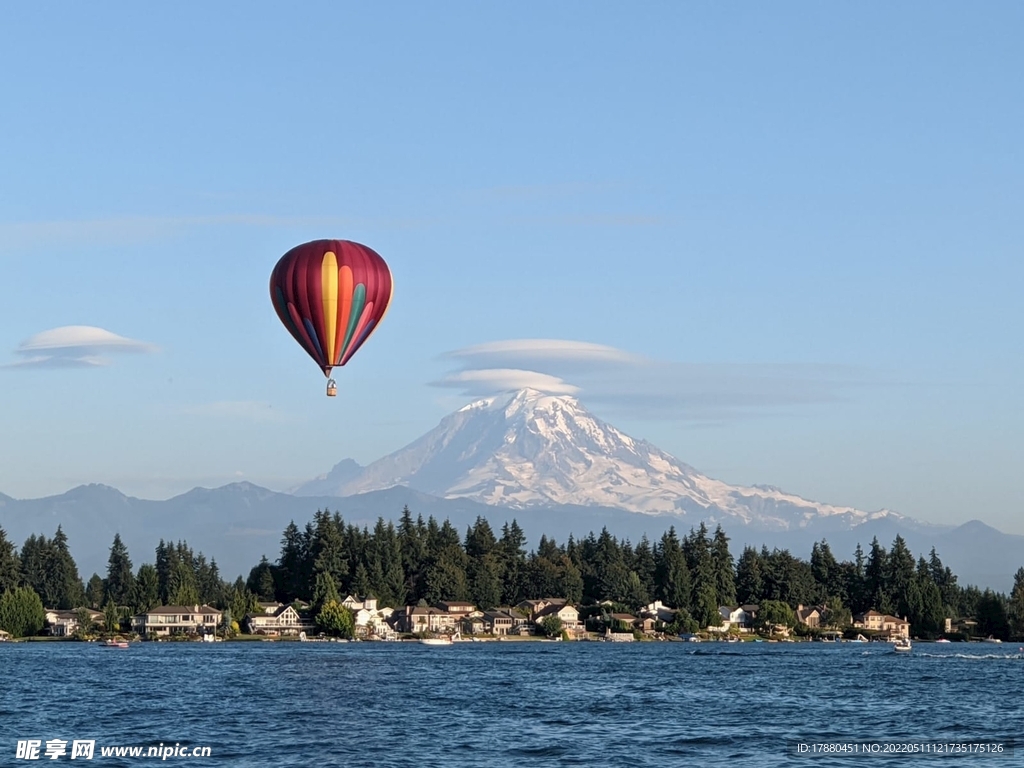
61, 623
177, 619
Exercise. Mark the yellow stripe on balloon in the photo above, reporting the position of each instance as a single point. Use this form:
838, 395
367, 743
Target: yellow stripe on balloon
329, 285
345, 287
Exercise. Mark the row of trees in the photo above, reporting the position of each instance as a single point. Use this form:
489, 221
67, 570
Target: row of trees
426, 560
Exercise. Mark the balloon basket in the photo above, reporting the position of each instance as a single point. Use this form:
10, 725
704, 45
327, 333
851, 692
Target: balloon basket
332, 388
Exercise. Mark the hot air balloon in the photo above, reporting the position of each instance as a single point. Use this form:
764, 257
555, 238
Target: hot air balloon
331, 295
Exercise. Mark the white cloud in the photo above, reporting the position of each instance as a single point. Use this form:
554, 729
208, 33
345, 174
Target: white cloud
490, 380
75, 346
647, 388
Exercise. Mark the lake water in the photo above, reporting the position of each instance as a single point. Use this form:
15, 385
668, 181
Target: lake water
510, 703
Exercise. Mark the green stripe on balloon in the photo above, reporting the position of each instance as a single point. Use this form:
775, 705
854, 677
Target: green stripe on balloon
358, 299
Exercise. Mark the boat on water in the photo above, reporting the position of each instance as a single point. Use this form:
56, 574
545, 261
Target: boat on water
903, 644
991, 639
457, 637
942, 640
114, 643
859, 639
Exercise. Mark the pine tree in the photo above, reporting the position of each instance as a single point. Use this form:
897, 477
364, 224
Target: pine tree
35, 556
722, 566
64, 583
119, 581
513, 563
749, 584
572, 581
261, 580
147, 589
10, 564
875, 586
672, 573
1016, 606
900, 584
95, 595
645, 566
328, 550
290, 564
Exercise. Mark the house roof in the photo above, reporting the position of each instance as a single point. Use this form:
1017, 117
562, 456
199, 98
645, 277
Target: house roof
553, 610
188, 609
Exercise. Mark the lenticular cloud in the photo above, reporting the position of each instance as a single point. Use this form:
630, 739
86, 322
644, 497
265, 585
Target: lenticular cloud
74, 346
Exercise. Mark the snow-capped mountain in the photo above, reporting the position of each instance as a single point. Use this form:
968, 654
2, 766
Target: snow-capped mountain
530, 449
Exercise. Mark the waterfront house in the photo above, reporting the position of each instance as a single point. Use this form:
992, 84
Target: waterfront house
429, 619
498, 622
568, 614
458, 608
733, 617
354, 604
808, 615
61, 623
269, 608
659, 612
177, 619
888, 626
284, 620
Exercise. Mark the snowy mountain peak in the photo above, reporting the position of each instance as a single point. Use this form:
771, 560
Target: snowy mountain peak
530, 448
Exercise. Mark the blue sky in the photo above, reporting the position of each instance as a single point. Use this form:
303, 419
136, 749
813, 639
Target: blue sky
798, 228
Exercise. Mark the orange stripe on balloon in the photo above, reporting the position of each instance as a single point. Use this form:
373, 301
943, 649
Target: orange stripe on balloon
329, 289
345, 289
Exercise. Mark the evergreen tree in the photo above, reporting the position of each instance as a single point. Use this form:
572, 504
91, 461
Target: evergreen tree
412, 544
928, 618
35, 556
95, 595
290, 570
827, 573
513, 563
749, 583
325, 591
261, 580
991, 615
10, 564
485, 577
64, 584
182, 583
147, 589
875, 586
645, 566
118, 585
361, 582
900, 584
209, 583
856, 583
1016, 606
671, 572
328, 550
572, 581
704, 584
722, 566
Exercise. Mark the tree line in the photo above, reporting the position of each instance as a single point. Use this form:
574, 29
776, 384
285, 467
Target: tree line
428, 561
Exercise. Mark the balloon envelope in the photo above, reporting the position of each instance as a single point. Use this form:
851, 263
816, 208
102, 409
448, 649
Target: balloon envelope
331, 295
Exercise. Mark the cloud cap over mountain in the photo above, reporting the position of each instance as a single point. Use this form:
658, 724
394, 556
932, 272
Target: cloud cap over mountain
645, 387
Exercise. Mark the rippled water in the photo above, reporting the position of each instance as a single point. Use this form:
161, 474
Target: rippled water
507, 703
